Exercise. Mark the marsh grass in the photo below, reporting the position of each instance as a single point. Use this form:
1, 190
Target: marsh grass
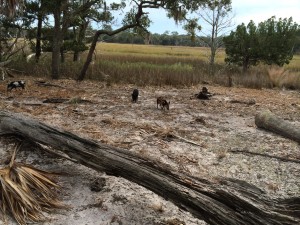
283, 78
162, 65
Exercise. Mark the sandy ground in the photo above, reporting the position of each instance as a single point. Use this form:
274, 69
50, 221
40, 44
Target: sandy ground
210, 132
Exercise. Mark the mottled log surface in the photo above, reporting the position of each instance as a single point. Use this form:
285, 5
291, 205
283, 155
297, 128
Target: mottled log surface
218, 201
269, 121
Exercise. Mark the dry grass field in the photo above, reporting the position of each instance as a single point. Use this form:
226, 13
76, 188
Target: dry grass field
165, 65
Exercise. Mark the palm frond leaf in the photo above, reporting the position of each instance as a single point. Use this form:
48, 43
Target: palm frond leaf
27, 192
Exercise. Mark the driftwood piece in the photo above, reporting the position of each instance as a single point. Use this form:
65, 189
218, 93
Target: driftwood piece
220, 201
284, 159
46, 84
67, 100
268, 121
55, 100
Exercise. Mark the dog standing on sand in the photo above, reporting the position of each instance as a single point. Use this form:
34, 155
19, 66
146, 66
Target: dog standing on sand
135, 95
163, 103
15, 85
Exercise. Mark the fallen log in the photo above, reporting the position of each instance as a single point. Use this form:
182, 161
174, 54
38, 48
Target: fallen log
268, 121
220, 201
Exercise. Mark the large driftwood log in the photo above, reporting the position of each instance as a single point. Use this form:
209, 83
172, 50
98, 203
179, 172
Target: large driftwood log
267, 120
221, 201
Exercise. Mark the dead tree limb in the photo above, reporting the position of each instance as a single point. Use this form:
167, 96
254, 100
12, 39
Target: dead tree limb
221, 201
4, 63
284, 159
268, 121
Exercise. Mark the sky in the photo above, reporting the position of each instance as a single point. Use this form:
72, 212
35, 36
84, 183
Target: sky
243, 11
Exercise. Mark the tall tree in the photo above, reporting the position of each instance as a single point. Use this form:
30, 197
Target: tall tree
216, 17
272, 42
278, 39
242, 46
36, 12
64, 15
137, 18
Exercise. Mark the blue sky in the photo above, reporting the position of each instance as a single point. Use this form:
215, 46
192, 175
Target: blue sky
244, 11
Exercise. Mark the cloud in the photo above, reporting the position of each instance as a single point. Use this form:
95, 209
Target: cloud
261, 10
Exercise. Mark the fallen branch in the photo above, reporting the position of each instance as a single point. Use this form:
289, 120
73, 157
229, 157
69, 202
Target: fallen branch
265, 155
221, 201
184, 139
247, 102
56, 100
75, 100
270, 122
46, 84
4, 63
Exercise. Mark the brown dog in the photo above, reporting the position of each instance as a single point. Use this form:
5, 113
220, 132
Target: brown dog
163, 103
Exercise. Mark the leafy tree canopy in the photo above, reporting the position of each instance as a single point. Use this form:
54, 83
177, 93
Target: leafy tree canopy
271, 42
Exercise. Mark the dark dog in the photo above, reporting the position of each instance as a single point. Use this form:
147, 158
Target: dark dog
16, 84
204, 94
163, 103
135, 95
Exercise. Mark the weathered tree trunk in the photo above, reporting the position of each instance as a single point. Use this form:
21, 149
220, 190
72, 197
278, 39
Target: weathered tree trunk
89, 57
38, 48
269, 121
57, 42
80, 38
62, 55
219, 202
61, 24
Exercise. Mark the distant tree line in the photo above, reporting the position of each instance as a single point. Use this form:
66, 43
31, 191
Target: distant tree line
174, 39
167, 38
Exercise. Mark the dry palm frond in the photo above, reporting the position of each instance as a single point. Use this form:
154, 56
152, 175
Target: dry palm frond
27, 192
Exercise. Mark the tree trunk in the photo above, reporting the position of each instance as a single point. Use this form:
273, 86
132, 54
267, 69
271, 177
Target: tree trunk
269, 121
89, 57
80, 38
38, 48
57, 42
88, 61
62, 55
220, 202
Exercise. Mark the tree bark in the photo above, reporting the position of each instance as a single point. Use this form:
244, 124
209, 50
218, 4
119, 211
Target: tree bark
38, 48
222, 201
89, 57
57, 43
136, 23
80, 37
268, 121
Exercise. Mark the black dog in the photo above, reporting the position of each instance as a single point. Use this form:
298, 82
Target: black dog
204, 94
135, 95
16, 84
